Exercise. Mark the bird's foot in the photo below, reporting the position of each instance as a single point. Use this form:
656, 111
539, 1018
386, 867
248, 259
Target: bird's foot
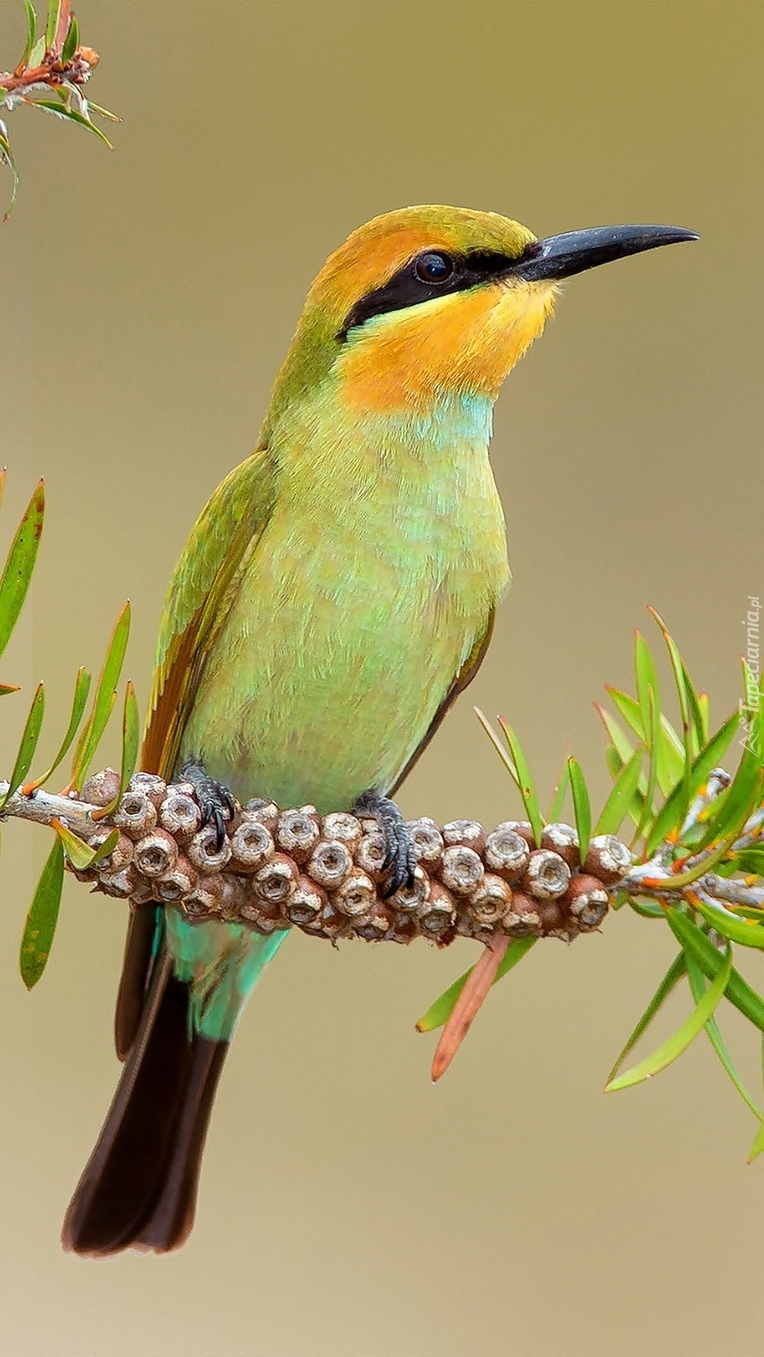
215, 801
400, 859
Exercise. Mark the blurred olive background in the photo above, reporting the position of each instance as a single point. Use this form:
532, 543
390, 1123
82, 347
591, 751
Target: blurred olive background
347, 1208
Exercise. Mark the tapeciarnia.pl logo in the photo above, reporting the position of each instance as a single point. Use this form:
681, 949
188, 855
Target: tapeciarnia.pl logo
749, 705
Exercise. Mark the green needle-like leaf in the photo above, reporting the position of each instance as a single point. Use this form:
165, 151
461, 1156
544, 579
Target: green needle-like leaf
527, 788
698, 946
105, 697
743, 931
497, 744
560, 792
28, 744
690, 745
653, 717
20, 564
131, 735
71, 42
31, 32
620, 741
647, 679
668, 818
621, 797
439, 1012
582, 808
52, 22
81, 690
698, 987
59, 111
37, 53
41, 920
676, 1044
669, 749
750, 861
672, 977
758, 1144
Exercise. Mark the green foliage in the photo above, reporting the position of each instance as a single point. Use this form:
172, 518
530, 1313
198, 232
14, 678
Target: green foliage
41, 920
14, 584
55, 65
698, 846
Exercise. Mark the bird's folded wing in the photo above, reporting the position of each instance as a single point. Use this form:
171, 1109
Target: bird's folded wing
205, 583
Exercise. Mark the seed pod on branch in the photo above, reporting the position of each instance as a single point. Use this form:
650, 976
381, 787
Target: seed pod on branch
547, 875
136, 814
156, 853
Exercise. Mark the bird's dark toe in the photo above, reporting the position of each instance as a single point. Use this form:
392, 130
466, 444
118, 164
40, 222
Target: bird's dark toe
215, 800
399, 861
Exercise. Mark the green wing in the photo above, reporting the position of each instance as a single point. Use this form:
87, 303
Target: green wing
203, 586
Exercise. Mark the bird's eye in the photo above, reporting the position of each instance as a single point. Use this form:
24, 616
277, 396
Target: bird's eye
434, 267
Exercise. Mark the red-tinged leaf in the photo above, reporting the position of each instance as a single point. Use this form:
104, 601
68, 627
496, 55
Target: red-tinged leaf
439, 1012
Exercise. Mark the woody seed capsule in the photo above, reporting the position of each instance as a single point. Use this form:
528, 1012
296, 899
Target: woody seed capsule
461, 870
489, 902
506, 852
135, 814
100, 789
465, 834
341, 827
155, 853
376, 924
370, 854
179, 881
307, 903
203, 851
410, 899
330, 864
267, 811
587, 901
427, 841
120, 883
438, 913
206, 898
297, 832
607, 858
120, 855
150, 785
547, 875
251, 846
562, 839
356, 896
179, 815
276, 882
522, 919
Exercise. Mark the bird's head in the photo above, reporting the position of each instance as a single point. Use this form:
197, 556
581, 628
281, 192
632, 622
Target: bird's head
426, 301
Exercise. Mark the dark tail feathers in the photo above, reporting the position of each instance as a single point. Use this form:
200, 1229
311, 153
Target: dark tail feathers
139, 1186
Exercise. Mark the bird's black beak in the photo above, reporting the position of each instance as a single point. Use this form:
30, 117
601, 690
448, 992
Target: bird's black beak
575, 251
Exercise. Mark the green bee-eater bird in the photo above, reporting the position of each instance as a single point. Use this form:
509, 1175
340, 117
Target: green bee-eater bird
335, 596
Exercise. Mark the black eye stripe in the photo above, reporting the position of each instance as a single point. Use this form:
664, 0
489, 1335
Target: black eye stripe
408, 287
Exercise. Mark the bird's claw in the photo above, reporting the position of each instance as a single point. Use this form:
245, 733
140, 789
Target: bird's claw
215, 800
400, 860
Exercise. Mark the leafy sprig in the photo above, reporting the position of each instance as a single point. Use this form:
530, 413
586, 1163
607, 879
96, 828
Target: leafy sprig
51, 74
14, 586
697, 834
